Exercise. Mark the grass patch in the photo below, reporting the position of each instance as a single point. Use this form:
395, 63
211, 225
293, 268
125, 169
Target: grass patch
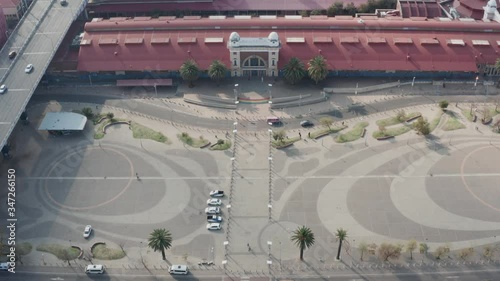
98, 131
453, 124
23, 249
222, 146
284, 142
102, 252
187, 139
433, 124
353, 134
396, 131
61, 252
327, 131
467, 113
394, 120
141, 132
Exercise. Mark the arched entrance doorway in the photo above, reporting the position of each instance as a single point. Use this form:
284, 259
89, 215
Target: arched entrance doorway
254, 66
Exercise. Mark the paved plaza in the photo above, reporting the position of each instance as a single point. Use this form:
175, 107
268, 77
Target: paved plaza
438, 190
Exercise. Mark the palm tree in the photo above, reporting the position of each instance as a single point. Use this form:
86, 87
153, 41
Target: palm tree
303, 238
217, 70
497, 67
190, 71
294, 71
160, 240
341, 235
318, 69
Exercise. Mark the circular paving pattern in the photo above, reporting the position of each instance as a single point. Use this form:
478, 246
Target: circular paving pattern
106, 157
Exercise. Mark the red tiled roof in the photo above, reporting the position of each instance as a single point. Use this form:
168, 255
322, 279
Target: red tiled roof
414, 56
217, 5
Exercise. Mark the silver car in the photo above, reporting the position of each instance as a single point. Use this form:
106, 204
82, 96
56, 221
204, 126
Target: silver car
212, 210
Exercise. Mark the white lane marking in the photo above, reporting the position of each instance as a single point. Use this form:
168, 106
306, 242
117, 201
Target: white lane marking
37, 53
5, 123
18, 90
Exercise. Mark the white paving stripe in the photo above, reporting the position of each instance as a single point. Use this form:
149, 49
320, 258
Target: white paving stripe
265, 178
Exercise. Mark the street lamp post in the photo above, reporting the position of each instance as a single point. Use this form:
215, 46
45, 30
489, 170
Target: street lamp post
156, 91
270, 93
236, 92
90, 80
413, 82
475, 83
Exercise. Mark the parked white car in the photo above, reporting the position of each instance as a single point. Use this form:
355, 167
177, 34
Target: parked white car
214, 202
212, 210
217, 193
213, 226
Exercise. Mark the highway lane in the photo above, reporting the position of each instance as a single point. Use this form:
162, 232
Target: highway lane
40, 32
70, 274
163, 112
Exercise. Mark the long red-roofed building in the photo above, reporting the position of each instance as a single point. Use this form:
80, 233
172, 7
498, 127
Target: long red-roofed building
348, 44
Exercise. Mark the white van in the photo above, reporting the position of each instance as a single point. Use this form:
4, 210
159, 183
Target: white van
178, 269
94, 269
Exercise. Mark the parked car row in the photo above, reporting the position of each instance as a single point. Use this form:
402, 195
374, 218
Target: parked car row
213, 210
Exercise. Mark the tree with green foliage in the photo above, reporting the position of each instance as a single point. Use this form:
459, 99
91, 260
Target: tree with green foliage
441, 252
303, 237
87, 112
423, 248
326, 121
294, 71
335, 9
110, 115
316, 12
422, 126
279, 135
160, 240
497, 68
318, 69
411, 246
217, 71
350, 9
363, 248
341, 235
443, 104
190, 71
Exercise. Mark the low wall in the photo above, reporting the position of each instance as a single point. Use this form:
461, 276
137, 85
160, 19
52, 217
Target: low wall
210, 104
362, 89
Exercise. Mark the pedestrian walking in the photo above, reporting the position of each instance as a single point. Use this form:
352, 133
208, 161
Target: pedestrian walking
137, 175
309, 134
216, 137
342, 123
300, 135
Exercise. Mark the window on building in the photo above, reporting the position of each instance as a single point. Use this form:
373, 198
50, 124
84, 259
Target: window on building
273, 63
235, 63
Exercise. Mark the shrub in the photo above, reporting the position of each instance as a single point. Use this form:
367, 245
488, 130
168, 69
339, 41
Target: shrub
401, 116
220, 142
389, 251
87, 111
423, 248
488, 252
422, 126
466, 253
443, 104
110, 115
441, 252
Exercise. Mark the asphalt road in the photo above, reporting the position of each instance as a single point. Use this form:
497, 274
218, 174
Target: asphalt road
210, 123
65, 274
40, 31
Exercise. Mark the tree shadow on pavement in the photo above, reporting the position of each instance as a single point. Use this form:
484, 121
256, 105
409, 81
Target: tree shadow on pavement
434, 143
357, 109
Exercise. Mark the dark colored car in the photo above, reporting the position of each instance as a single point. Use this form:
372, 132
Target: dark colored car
12, 54
306, 123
